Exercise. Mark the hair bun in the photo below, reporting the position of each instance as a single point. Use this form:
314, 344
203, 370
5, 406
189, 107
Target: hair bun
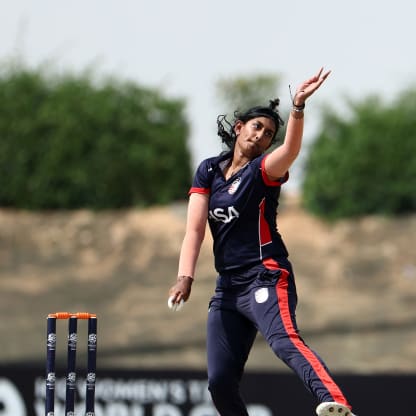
273, 104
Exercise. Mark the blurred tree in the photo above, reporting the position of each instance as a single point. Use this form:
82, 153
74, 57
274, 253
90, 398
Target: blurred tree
69, 142
365, 164
247, 91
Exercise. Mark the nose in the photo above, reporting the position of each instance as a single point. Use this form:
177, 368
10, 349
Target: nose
260, 135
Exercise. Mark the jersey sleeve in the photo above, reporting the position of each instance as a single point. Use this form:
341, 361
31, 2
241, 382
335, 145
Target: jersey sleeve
266, 180
201, 183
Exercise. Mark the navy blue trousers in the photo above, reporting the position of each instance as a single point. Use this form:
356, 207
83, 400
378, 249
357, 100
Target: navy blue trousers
260, 299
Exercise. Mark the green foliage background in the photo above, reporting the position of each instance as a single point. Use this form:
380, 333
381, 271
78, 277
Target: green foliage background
69, 142
365, 164
242, 92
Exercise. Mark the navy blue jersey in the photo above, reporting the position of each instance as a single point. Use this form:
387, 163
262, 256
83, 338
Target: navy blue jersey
242, 212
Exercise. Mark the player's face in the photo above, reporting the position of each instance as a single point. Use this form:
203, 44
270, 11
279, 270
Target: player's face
255, 136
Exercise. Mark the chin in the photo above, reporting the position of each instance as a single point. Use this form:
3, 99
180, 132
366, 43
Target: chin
253, 148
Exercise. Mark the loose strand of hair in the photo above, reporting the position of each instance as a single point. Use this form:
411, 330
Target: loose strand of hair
225, 131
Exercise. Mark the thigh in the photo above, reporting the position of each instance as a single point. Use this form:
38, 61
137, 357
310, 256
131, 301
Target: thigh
273, 303
230, 337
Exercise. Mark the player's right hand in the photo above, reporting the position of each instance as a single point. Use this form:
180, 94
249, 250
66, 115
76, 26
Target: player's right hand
180, 292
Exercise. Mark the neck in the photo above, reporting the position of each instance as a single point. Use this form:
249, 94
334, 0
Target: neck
236, 163
239, 159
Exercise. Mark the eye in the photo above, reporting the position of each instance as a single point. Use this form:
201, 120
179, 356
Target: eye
258, 126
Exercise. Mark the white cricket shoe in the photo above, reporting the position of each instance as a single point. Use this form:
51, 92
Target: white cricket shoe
333, 409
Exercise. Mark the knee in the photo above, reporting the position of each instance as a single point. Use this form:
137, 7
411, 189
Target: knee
283, 348
221, 384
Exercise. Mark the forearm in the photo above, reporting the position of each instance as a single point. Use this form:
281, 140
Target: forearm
191, 247
279, 161
294, 133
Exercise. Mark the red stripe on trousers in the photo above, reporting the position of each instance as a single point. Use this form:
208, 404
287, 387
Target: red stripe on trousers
283, 300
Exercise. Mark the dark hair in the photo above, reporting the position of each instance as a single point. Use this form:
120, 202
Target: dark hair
226, 129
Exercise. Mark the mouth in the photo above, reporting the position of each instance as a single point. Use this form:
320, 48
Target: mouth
253, 144
254, 148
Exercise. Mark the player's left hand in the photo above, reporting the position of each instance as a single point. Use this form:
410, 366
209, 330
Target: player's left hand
308, 87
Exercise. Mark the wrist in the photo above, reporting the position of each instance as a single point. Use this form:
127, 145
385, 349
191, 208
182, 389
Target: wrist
297, 106
184, 277
297, 109
297, 113
298, 103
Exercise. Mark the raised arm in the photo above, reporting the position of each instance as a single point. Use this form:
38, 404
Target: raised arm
279, 161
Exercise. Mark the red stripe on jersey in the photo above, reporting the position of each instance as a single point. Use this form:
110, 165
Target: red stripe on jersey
266, 179
195, 190
283, 299
265, 236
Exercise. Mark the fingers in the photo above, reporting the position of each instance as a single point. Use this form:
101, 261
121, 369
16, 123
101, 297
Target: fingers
175, 305
176, 296
175, 300
321, 74
314, 78
318, 75
179, 293
307, 88
321, 79
325, 75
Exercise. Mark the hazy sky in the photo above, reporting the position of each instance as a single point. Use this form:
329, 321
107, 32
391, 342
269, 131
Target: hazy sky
184, 46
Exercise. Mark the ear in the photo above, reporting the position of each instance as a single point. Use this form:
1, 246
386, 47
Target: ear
238, 126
